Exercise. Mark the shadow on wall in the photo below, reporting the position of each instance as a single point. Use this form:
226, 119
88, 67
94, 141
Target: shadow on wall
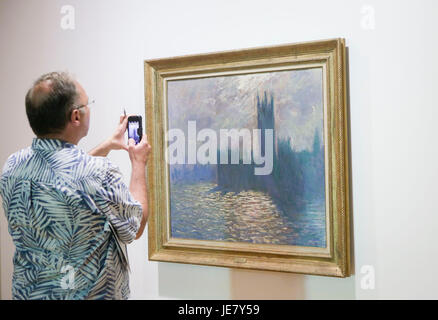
258, 285
183, 281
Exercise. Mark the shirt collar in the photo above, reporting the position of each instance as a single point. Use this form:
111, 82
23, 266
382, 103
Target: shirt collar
50, 144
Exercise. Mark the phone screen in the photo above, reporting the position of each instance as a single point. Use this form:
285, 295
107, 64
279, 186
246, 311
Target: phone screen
134, 128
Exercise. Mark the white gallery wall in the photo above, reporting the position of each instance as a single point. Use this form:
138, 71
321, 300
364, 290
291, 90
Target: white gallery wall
393, 72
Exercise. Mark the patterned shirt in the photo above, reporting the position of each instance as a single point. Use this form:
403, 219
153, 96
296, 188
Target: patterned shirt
70, 217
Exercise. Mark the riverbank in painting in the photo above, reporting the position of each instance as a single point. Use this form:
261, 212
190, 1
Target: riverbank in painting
204, 211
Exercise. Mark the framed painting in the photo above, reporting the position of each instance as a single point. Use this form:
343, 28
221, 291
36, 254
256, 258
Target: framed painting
249, 164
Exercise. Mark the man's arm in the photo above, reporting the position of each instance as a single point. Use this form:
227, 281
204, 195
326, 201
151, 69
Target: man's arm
115, 142
139, 155
138, 189
101, 150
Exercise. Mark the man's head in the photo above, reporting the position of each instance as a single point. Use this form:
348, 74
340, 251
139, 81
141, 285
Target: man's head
56, 106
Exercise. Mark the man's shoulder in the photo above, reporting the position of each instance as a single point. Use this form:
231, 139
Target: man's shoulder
98, 163
13, 167
96, 166
16, 160
106, 166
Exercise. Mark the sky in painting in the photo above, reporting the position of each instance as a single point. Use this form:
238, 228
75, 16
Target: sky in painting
226, 102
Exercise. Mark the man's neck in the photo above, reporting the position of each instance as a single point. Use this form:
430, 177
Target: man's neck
60, 136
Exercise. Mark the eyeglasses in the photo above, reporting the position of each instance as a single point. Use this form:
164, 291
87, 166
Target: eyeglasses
83, 105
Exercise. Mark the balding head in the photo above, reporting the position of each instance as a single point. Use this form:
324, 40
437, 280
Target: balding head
50, 101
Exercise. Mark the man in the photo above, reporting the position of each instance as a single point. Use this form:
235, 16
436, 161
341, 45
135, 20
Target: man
69, 213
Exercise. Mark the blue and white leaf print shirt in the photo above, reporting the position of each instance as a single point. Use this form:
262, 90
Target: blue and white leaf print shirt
59, 202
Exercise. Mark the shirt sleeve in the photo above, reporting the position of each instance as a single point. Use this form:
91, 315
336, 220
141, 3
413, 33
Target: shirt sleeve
122, 210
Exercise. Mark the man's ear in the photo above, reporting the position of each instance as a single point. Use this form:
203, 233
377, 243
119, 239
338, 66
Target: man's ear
75, 117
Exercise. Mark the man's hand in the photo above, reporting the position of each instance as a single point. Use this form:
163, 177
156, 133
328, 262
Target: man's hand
139, 154
115, 142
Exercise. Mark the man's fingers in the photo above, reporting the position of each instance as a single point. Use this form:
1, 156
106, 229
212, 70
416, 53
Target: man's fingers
131, 142
144, 138
124, 123
123, 118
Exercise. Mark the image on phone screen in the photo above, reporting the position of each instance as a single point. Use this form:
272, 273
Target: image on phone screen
133, 131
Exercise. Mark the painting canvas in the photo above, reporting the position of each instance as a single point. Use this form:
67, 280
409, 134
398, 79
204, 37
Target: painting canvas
228, 201
249, 164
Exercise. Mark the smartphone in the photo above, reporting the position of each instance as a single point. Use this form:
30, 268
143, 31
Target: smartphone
135, 129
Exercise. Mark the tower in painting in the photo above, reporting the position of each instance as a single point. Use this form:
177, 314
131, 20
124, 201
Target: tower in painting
266, 120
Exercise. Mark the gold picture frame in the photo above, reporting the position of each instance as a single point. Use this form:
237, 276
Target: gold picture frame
334, 258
